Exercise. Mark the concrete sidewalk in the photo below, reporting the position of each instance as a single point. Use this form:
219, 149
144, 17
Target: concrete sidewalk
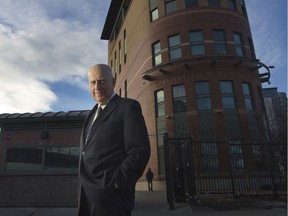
154, 204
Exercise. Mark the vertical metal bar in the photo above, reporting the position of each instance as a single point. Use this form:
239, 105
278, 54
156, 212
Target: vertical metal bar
168, 173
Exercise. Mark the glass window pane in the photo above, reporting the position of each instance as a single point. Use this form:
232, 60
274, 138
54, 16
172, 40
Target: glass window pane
158, 59
202, 88
157, 48
218, 35
61, 158
248, 104
178, 91
246, 89
197, 50
191, 3
196, 36
155, 14
171, 6
160, 96
220, 49
226, 87
24, 159
175, 53
174, 41
228, 102
204, 103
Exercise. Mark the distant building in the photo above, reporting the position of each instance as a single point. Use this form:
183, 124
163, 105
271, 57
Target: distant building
276, 110
39, 158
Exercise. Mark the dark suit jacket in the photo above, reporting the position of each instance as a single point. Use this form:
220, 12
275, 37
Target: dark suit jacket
117, 150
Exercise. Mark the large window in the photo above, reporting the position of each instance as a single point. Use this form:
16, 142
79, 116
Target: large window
243, 7
191, 3
170, 6
154, 10
120, 56
232, 4
174, 47
214, 3
247, 96
125, 46
239, 45
228, 98
156, 49
50, 158
160, 128
236, 154
219, 42
203, 95
197, 43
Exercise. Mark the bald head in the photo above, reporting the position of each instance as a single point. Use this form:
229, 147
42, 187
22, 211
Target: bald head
101, 83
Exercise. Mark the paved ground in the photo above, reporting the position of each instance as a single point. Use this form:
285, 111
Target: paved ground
154, 204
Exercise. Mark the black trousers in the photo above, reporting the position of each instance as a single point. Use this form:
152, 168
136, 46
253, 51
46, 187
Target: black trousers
117, 204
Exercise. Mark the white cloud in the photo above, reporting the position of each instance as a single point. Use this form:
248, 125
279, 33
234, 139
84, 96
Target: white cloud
43, 42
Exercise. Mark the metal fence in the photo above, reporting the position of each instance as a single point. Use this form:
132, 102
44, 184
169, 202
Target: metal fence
232, 167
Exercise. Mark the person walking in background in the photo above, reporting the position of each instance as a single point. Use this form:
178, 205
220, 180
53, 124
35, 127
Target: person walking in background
149, 177
114, 148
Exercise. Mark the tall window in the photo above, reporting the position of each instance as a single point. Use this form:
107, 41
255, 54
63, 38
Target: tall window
197, 43
125, 89
205, 114
232, 4
174, 47
252, 50
179, 99
154, 10
161, 128
120, 57
239, 45
116, 63
247, 96
228, 98
125, 46
219, 42
170, 6
214, 3
203, 95
156, 49
209, 157
236, 154
191, 3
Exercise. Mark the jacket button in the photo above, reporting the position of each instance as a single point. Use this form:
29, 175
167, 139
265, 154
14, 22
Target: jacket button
83, 153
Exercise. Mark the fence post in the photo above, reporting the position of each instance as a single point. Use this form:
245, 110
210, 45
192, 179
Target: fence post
168, 172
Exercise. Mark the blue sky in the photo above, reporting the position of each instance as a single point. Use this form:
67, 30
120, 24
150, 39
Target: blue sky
47, 46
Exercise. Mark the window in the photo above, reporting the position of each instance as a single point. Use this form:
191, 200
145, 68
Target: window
219, 42
125, 46
228, 99
156, 49
120, 56
161, 128
214, 3
191, 3
203, 95
170, 6
247, 96
197, 43
179, 99
252, 50
239, 46
174, 47
115, 60
154, 10
232, 4
51, 158
61, 158
160, 109
125, 89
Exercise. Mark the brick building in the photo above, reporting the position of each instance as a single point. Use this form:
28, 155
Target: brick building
192, 66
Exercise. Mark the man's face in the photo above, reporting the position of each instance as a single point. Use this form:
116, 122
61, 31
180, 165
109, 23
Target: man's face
101, 85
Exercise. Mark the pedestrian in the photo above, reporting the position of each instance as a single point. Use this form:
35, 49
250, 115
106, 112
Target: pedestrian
114, 149
149, 177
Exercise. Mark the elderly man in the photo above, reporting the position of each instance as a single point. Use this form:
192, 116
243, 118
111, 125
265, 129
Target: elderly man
115, 149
